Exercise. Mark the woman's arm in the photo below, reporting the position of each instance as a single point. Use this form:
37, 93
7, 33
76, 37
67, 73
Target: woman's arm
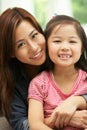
19, 116
36, 116
19, 106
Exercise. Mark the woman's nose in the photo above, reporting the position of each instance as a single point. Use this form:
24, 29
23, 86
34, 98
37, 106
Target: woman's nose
33, 46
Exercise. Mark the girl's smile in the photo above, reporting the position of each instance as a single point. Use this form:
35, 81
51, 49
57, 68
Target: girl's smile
64, 56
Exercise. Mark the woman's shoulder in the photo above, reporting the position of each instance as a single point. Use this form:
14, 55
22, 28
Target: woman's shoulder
43, 74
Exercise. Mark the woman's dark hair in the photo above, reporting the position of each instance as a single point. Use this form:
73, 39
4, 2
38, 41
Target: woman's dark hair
62, 20
10, 19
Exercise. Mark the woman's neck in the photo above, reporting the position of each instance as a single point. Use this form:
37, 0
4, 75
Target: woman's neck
31, 70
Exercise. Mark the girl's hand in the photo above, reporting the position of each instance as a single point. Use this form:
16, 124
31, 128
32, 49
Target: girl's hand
48, 122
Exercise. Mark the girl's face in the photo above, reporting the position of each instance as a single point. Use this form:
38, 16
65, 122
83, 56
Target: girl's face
30, 44
64, 46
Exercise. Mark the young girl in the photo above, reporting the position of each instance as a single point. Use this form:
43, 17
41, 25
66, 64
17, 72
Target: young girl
64, 77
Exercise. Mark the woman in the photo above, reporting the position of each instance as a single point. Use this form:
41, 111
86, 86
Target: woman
22, 46
22, 51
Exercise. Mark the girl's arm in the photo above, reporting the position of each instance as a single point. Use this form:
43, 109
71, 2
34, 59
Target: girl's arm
36, 116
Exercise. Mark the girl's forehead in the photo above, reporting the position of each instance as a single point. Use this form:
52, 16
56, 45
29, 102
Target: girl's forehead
64, 30
62, 27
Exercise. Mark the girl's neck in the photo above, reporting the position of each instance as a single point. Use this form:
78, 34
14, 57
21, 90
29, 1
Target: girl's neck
65, 78
64, 72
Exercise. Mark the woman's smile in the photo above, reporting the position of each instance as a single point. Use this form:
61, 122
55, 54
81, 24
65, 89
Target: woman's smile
38, 55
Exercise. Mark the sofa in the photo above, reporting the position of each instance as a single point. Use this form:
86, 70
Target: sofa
4, 125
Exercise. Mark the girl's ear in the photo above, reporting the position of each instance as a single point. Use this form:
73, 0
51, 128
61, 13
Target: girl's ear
82, 50
85, 55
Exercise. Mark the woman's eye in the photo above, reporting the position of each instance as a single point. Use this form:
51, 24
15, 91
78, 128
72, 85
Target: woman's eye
34, 35
20, 44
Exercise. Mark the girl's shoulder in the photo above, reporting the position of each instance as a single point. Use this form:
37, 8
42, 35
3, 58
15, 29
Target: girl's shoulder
43, 76
83, 73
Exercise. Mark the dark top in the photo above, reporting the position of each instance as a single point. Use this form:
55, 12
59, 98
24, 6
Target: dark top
19, 114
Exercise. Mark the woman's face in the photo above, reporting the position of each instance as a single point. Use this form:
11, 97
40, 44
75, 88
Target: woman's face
30, 44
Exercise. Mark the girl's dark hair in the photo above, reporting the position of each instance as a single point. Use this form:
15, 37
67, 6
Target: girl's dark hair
62, 20
9, 20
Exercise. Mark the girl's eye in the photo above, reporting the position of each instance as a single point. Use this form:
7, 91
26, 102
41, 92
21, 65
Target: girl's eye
34, 35
72, 41
56, 41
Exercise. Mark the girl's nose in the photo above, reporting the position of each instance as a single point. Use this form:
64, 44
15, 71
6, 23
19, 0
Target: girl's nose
65, 47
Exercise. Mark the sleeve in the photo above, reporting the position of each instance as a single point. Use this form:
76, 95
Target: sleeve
19, 114
37, 89
85, 96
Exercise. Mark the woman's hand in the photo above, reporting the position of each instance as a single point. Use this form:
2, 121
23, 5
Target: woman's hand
62, 114
65, 114
79, 119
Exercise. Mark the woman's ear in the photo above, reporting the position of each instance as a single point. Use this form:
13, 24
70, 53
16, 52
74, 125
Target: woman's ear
12, 55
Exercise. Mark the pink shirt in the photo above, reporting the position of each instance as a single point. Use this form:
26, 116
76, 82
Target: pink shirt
44, 89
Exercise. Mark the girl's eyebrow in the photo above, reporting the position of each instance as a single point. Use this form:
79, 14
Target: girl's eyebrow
58, 36
25, 36
55, 36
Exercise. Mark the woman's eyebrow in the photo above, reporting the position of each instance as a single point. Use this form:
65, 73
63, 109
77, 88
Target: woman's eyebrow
25, 36
31, 32
19, 41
